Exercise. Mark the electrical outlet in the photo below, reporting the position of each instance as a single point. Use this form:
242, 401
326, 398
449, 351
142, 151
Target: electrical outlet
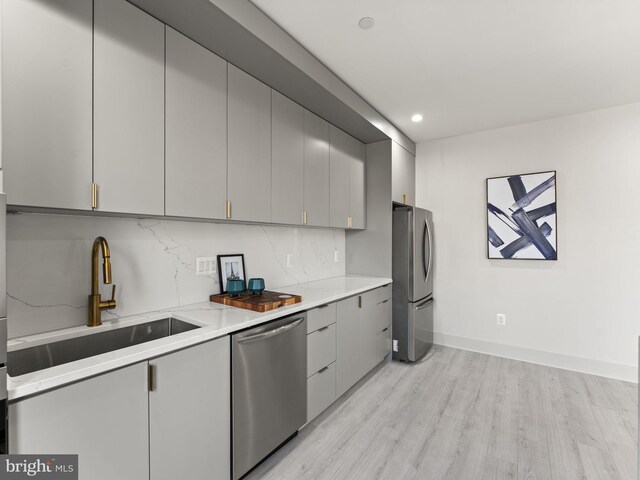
205, 266
501, 319
289, 260
336, 256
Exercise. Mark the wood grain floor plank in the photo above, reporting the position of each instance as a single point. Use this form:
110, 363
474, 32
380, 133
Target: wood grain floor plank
598, 464
622, 448
498, 469
533, 450
564, 454
464, 416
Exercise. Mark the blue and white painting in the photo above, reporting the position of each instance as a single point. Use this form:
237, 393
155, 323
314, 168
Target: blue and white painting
521, 212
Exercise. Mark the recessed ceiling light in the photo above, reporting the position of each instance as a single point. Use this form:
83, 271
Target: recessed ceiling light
366, 23
416, 118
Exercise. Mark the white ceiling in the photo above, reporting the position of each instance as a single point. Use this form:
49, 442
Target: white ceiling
470, 65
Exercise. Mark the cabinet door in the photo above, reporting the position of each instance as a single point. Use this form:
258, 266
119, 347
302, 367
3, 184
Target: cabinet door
103, 419
196, 130
46, 90
321, 391
349, 343
190, 413
357, 201
339, 177
403, 166
316, 170
287, 164
249, 159
128, 109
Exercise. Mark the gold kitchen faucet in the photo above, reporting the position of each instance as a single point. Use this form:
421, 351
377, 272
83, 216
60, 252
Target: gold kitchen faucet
96, 305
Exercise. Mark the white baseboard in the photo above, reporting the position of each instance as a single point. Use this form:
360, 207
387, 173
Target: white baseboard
628, 373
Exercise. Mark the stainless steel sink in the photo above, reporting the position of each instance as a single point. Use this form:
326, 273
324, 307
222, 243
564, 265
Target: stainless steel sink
49, 355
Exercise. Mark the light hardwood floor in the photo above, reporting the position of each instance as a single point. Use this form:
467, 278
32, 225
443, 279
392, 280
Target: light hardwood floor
463, 415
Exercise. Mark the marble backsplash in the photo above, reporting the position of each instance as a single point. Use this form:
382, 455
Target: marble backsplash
49, 263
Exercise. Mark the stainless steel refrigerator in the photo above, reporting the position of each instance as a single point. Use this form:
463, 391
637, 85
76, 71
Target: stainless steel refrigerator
412, 283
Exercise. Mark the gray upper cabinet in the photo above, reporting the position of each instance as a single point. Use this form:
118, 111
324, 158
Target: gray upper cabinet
403, 175
46, 83
357, 200
196, 130
316, 170
339, 182
347, 202
249, 143
287, 164
128, 109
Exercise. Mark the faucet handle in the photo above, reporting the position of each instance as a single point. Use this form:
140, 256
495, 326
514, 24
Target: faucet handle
112, 302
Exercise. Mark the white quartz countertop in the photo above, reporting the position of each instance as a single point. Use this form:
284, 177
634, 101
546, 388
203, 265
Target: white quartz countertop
215, 319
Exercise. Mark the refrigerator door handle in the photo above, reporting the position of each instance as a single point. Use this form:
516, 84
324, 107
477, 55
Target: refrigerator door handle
425, 269
427, 238
424, 304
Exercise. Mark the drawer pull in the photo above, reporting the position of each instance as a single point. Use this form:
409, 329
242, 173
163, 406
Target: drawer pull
322, 370
323, 328
323, 306
385, 330
384, 301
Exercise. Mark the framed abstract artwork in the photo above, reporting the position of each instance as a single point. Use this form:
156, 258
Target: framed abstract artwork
521, 217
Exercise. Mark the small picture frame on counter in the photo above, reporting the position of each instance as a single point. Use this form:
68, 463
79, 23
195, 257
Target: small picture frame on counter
230, 267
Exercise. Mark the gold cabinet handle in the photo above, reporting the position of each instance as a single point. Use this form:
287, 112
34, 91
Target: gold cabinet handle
94, 195
228, 209
404, 198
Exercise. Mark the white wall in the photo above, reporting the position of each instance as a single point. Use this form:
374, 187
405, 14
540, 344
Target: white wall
49, 269
580, 312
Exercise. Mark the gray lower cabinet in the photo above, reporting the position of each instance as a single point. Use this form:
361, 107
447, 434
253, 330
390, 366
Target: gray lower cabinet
196, 130
163, 419
104, 420
316, 170
287, 164
249, 147
46, 102
363, 335
189, 408
321, 391
321, 359
347, 181
403, 175
128, 109
349, 362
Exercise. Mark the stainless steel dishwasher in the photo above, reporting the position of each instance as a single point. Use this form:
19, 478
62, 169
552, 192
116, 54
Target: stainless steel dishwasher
268, 388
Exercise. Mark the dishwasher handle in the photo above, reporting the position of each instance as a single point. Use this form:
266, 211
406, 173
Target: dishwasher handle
271, 333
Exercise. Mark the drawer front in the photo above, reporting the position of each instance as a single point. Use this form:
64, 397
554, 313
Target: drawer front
321, 391
321, 317
321, 349
383, 343
383, 315
373, 297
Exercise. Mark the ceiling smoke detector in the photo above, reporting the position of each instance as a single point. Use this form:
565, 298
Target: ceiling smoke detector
366, 23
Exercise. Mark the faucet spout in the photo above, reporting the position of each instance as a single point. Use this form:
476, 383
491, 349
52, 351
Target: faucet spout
96, 305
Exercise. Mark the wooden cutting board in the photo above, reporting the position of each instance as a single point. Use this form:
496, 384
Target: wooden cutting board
258, 303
